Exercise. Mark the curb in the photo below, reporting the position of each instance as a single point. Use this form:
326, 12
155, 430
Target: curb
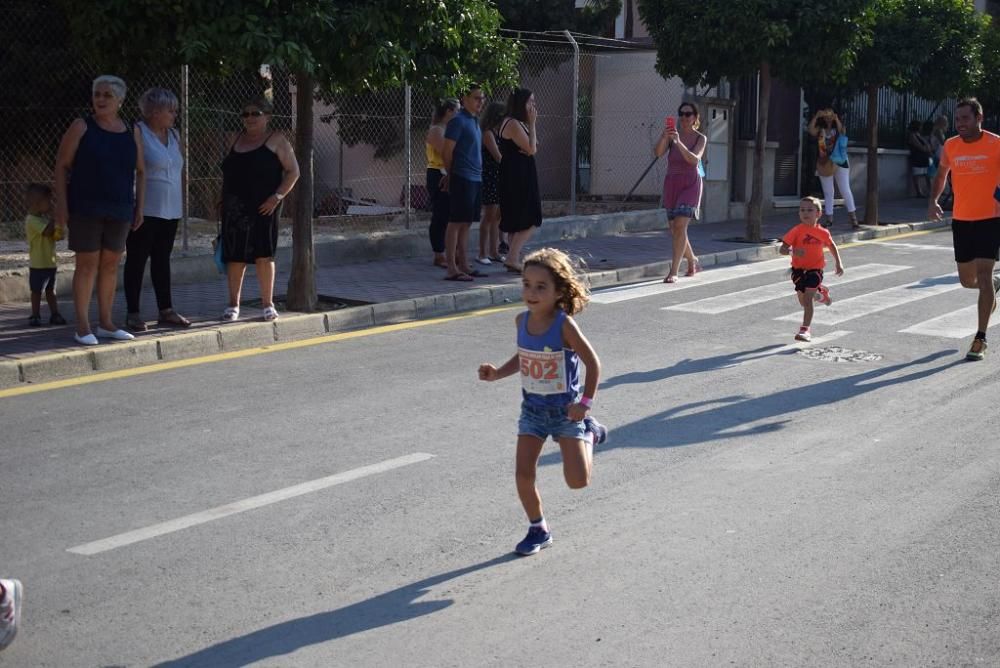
225, 338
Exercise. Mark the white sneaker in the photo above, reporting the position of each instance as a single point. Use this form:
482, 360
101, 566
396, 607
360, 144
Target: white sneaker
231, 314
484, 260
10, 611
270, 313
803, 335
117, 335
86, 339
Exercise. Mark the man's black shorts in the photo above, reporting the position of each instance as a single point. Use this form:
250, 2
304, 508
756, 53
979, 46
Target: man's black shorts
976, 239
807, 278
466, 199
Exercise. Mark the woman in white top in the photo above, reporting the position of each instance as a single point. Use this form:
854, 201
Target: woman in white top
153, 240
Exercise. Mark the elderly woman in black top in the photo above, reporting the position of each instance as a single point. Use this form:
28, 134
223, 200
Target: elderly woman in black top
259, 171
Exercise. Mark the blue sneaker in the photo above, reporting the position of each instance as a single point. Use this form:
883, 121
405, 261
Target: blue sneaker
533, 543
599, 431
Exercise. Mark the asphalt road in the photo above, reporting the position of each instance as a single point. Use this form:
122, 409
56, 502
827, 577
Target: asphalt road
755, 505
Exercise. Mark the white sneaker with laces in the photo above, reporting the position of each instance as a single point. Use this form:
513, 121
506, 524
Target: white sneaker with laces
803, 335
10, 611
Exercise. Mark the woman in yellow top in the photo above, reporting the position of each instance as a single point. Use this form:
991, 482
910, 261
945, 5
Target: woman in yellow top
434, 145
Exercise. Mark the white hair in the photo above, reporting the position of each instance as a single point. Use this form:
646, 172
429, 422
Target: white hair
155, 99
116, 84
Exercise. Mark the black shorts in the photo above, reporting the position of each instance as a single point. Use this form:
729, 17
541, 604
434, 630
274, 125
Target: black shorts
807, 278
976, 239
89, 234
466, 199
39, 279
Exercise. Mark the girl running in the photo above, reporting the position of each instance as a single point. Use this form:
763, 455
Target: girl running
550, 347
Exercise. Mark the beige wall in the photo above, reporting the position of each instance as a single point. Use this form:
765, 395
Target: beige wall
630, 103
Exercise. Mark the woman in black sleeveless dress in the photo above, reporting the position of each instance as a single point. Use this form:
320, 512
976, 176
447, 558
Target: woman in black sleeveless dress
520, 201
258, 172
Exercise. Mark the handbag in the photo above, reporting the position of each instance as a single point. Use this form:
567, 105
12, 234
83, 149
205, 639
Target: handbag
825, 166
220, 263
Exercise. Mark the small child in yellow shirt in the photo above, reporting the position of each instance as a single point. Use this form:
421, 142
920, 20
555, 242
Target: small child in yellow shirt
42, 236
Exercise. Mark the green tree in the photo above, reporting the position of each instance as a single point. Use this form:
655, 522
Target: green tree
704, 42
329, 47
988, 90
927, 47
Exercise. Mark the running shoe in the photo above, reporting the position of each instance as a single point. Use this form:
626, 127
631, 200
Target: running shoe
977, 351
803, 335
10, 611
823, 295
537, 539
599, 431
826, 221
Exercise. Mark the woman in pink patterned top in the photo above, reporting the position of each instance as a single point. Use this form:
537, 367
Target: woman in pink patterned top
682, 186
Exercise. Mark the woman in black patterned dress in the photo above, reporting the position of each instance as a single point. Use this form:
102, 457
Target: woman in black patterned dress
257, 174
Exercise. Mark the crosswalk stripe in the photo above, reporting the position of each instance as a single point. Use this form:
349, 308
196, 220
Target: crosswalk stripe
856, 307
734, 300
707, 277
900, 244
955, 325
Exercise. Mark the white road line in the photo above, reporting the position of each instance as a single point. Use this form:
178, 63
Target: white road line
707, 277
958, 324
219, 512
900, 244
734, 300
855, 307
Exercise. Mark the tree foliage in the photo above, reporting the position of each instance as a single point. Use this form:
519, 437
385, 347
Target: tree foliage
704, 42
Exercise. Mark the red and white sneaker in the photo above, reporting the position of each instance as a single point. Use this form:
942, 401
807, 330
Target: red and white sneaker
823, 295
803, 335
10, 611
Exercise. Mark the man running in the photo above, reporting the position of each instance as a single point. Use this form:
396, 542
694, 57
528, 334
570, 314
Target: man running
973, 158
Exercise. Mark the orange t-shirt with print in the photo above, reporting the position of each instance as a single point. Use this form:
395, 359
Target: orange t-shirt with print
809, 238
975, 174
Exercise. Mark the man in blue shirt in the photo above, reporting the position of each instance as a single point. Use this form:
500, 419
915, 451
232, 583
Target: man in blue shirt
463, 163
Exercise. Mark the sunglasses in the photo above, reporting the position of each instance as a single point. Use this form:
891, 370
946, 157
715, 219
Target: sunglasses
255, 113
685, 114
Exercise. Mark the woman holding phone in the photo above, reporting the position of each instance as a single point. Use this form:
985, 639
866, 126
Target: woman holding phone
682, 185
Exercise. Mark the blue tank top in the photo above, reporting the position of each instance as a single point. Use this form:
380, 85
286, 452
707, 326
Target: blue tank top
550, 372
102, 182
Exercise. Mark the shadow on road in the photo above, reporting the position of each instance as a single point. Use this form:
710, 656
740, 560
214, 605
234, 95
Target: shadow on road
729, 417
689, 366
398, 605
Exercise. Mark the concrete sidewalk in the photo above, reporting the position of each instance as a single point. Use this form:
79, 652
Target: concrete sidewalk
396, 290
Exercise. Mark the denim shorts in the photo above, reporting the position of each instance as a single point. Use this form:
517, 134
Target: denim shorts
545, 421
683, 211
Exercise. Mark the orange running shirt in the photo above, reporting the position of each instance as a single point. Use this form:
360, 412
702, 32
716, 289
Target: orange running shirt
812, 239
975, 174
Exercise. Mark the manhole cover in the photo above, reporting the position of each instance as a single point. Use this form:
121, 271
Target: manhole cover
838, 354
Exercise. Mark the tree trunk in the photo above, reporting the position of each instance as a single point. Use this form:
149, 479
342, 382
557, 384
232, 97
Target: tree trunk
302, 281
871, 191
755, 206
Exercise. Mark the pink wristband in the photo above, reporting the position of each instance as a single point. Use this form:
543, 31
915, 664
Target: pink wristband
586, 401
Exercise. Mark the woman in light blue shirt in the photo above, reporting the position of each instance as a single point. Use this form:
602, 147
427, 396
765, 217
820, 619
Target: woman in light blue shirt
153, 240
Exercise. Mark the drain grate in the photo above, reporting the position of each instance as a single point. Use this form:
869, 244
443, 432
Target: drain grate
838, 354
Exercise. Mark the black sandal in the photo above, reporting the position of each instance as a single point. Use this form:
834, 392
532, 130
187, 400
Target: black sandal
135, 323
173, 318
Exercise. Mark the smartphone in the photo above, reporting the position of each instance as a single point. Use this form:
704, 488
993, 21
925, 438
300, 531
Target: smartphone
671, 123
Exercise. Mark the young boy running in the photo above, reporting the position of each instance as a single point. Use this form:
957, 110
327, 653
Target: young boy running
805, 243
